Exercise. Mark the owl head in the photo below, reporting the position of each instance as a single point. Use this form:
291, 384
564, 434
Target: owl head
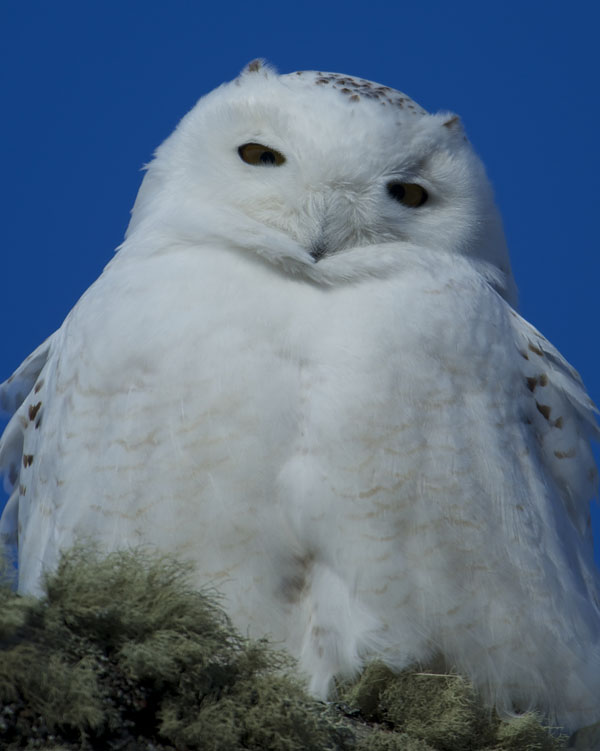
323, 175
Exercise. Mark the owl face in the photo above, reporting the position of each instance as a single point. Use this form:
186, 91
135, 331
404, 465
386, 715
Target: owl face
311, 166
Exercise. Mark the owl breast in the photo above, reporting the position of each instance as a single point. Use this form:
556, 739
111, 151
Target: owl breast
294, 425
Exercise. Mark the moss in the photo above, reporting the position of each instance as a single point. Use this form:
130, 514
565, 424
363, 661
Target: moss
124, 654
440, 709
441, 712
390, 741
527, 733
365, 693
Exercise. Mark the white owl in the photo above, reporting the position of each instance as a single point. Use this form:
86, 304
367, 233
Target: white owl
302, 371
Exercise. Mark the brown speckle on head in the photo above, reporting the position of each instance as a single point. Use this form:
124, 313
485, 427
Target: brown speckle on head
537, 350
39, 385
544, 410
22, 489
27, 460
355, 88
543, 380
33, 410
558, 423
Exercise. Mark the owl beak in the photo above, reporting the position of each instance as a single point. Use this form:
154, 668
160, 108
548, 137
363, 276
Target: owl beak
318, 251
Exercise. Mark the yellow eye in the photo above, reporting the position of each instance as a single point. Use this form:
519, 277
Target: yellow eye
262, 156
408, 194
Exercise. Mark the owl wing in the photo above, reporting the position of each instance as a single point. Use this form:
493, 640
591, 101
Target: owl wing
15, 401
562, 419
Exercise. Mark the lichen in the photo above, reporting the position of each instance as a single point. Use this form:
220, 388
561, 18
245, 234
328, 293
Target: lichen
123, 653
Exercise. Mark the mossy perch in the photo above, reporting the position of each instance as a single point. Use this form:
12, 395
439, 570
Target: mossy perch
123, 654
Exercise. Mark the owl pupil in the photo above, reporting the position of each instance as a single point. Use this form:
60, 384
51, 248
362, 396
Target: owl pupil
397, 191
267, 157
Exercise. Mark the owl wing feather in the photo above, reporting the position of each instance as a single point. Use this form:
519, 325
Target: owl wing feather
563, 420
15, 401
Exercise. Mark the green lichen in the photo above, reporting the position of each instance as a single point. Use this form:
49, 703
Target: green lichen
124, 654
442, 711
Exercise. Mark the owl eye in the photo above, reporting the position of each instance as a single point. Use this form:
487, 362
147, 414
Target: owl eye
257, 154
408, 194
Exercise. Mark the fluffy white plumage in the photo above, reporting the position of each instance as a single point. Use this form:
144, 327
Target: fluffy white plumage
318, 390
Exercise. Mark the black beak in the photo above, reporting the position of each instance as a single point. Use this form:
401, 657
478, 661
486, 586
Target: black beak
318, 252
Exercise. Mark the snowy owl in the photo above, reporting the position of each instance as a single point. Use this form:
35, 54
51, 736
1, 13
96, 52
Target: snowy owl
304, 372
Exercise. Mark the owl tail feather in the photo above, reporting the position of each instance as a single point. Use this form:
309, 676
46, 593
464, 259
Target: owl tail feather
337, 630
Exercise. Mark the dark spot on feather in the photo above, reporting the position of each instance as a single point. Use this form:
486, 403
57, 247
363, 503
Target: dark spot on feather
22, 489
543, 380
532, 383
39, 385
535, 349
543, 409
33, 410
27, 460
524, 355
293, 585
558, 423
354, 98
565, 454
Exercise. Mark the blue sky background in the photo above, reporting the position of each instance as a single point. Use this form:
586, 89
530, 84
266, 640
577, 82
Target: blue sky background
89, 89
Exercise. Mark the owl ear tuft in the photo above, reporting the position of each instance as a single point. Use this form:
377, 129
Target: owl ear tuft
453, 123
259, 65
